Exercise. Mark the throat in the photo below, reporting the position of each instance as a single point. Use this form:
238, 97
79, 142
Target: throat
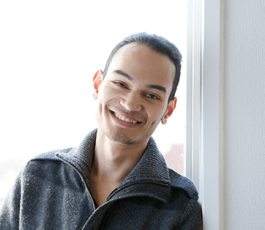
101, 188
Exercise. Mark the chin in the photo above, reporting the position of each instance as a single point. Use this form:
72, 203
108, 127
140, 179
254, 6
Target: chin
120, 138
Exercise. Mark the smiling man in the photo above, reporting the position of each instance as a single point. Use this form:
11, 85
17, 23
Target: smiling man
116, 178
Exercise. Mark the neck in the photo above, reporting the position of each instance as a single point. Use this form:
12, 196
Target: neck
114, 161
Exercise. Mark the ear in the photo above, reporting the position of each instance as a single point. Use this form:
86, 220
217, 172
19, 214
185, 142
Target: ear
97, 82
170, 109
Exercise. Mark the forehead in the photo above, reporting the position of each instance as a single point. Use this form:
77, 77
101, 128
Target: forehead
144, 64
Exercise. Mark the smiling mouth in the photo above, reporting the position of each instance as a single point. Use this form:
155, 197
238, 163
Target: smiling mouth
131, 121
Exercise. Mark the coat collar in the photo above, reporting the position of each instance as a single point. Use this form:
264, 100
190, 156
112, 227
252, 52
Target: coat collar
151, 168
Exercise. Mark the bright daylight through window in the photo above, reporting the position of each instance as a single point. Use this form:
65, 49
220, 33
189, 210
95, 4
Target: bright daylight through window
50, 51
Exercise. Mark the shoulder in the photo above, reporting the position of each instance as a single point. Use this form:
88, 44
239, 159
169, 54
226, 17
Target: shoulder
40, 165
49, 169
184, 192
50, 155
180, 182
47, 157
44, 162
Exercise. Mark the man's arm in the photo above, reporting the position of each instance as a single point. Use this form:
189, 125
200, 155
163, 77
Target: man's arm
192, 217
10, 207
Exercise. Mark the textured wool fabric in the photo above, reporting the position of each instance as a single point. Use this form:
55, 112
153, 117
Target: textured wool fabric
53, 192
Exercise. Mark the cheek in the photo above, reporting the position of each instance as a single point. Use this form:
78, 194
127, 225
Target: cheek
155, 117
106, 93
158, 113
110, 95
106, 98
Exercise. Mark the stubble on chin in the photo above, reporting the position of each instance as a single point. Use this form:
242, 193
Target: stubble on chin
120, 138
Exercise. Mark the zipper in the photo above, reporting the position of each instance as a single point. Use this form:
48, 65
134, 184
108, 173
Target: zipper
116, 190
93, 202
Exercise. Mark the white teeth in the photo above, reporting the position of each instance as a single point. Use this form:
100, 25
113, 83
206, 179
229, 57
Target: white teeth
125, 119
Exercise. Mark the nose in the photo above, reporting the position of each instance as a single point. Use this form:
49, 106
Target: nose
132, 102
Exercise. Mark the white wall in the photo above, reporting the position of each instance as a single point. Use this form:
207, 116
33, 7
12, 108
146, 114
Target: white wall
244, 114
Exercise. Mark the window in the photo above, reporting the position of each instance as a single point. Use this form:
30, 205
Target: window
46, 70
204, 134
49, 53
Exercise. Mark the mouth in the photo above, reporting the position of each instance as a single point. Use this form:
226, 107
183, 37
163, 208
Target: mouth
122, 118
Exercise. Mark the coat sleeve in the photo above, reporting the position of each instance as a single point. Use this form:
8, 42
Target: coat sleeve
10, 207
192, 217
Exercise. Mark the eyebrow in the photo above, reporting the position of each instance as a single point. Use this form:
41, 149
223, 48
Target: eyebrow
159, 87
123, 74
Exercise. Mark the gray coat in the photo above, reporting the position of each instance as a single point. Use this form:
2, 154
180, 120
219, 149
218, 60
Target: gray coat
53, 192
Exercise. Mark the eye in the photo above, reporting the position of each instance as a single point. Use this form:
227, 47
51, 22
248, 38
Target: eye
120, 84
152, 96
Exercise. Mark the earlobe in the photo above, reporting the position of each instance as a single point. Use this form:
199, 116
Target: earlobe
170, 109
97, 82
164, 120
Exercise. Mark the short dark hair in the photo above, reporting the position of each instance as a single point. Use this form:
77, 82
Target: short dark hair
158, 44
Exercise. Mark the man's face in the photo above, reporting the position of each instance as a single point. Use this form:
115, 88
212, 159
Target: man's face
133, 97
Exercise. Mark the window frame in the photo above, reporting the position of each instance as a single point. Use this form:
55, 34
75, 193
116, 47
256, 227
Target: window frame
204, 120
